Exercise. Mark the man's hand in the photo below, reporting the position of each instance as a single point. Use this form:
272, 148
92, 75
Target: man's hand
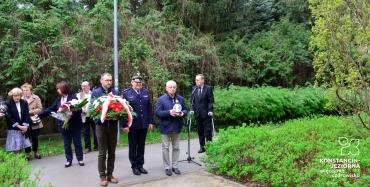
130, 107
126, 130
2, 114
151, 127
210, 113
173, 113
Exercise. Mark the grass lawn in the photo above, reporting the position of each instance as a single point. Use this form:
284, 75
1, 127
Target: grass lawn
54, 146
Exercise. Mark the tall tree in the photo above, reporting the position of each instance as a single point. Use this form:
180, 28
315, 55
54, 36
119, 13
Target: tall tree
341, 46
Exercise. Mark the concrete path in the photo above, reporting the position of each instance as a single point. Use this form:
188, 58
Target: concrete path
54, 173
194, 179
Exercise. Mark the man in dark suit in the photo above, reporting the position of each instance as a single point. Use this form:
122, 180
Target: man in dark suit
201, 104
139, 99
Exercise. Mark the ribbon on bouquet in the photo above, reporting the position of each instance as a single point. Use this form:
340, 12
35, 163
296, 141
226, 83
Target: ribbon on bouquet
128, 111
65, 105
104, 110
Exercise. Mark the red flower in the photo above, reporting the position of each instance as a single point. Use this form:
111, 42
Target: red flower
112, 105
120, 106
116, 109
98, 108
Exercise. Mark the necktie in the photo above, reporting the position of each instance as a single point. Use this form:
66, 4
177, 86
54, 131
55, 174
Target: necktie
199, 91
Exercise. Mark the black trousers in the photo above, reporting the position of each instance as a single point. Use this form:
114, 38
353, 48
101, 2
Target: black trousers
35, 139
136, 142
204, 128
89, 124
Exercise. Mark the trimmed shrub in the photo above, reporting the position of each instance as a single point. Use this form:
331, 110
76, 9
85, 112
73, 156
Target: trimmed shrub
237, 105
290, 155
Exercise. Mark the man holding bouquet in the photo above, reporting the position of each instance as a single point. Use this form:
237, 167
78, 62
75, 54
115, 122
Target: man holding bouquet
171, 109
139, 99
106, 134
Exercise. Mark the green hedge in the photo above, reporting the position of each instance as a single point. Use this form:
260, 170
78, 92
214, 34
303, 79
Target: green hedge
237, 105
15, 171
288, 155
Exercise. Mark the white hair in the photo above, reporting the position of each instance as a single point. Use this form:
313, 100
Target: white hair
85, 82
201, 76
170, 82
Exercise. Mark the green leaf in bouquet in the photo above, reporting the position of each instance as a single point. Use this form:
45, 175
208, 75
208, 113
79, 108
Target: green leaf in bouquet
81, 104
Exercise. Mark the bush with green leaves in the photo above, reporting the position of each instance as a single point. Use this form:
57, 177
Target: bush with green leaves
237, 105
15, 171
291, 154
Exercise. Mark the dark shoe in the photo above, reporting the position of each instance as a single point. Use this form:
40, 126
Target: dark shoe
176, 170
168, 172
112, 180
103, 181
142, 170
202, 150
68, 164
37, 156
136, 171
87, 151
81, 163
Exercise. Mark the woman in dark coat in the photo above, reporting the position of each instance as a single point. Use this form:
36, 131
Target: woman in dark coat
18, 121
73, 132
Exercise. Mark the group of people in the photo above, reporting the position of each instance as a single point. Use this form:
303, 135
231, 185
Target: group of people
24, 108
21, 109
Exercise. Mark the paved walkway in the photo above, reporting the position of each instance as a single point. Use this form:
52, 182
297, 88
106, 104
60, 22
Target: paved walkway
194, 179
54, 173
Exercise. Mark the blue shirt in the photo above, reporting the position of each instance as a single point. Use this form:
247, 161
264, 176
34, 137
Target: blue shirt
169, 124
140, 103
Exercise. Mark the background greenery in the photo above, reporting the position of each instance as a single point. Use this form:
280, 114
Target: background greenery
237, 105
242, 42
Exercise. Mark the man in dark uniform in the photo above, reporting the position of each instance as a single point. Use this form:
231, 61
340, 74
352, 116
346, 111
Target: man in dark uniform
139, 100
201, 104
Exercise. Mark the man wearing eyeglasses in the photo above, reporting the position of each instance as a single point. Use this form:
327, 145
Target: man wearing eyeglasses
106, 134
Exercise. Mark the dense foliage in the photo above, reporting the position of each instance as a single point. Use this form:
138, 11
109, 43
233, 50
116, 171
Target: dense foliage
290, 155
228, 41
341, 40
237, 105
15, 171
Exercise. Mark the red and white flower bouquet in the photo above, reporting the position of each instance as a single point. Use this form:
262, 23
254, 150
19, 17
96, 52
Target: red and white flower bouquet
65, 110
110, 107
